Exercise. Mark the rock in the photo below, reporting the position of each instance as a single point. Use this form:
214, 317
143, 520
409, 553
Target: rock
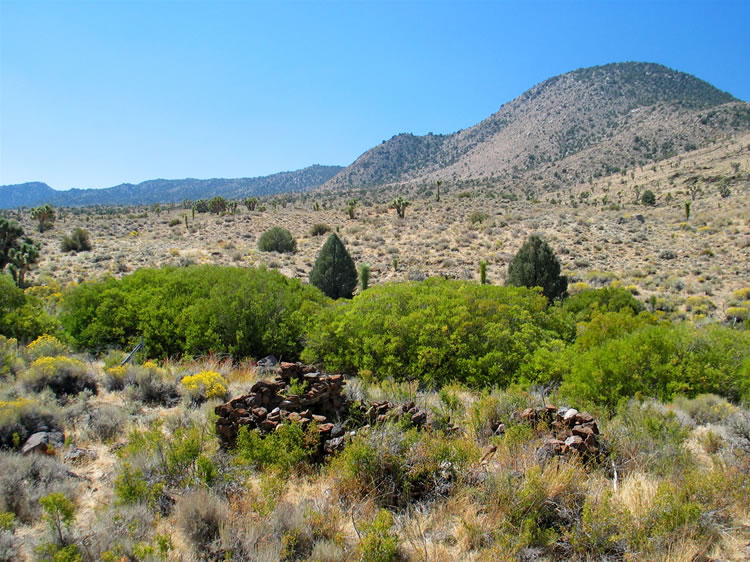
76, 454
41, 441
573, 442
583, 431
419, 418
570, 414
528, 414
267, 425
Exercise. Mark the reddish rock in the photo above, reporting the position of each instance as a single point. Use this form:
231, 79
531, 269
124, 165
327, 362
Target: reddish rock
582, 431
267, 425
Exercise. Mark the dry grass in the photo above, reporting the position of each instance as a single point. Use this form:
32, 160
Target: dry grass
597, 243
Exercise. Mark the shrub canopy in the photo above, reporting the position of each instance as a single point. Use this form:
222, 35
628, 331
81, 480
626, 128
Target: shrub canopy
193, 310
277, 239
436, 331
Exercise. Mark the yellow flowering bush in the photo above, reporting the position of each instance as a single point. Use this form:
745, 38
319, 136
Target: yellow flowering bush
576, 288
115, 377
45, 345
20, 418
63, 375
205, 385
10, 362
737, 313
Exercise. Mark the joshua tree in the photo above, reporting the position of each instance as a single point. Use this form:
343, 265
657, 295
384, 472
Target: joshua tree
400, 204
45, 214
10, 232
22, 257
350, 206
364, 276
483, 272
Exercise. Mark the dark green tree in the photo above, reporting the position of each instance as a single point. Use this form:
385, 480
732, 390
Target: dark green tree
648, 198
535, 265
334, 272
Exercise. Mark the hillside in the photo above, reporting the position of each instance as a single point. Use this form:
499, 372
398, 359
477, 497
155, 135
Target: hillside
564, 131
166, 191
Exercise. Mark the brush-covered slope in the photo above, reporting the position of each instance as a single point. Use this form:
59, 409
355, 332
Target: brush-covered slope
166, 191
586, 123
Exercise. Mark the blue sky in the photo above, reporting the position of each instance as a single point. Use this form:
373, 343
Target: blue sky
97, 93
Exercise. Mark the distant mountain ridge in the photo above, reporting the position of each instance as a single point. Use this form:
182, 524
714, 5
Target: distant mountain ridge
585, 123
166, 191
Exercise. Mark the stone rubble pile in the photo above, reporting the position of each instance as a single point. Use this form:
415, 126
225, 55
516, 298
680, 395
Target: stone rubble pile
271, 403
572, 431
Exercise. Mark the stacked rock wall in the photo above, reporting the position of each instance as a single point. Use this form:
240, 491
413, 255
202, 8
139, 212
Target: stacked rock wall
270, 403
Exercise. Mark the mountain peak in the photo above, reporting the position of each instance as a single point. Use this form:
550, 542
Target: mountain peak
585, 122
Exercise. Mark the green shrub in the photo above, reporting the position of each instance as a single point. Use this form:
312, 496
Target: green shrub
176, 459
59, 512
193, 311
277, 239
646, 437
395, 467
320, 229
478, 217
378, 542
648, 198
78, 241
661, 361
130, 486
22, 316
609, 299
284, 449
436, 331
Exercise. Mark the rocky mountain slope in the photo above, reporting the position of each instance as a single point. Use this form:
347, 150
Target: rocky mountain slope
166, 191
563, 132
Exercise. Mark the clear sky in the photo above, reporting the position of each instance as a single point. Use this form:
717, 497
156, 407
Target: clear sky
97, 93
